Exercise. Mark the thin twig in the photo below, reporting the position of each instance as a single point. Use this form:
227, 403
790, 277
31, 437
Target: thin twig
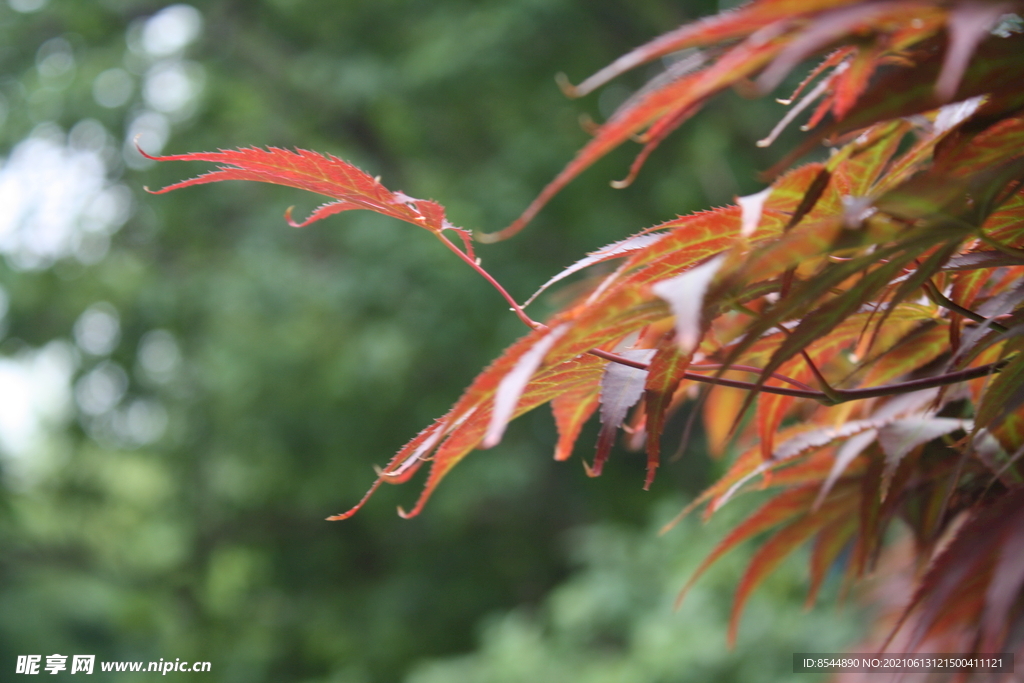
832, 397
749, 368
939, 299
826, 388
527, 320
841, 395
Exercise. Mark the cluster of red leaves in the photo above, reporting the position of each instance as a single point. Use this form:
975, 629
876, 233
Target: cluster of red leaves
866, 312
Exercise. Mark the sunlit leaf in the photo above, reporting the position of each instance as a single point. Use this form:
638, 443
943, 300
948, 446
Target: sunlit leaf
612, 251
666, 373
571, 410
783, 507
511, 386
781, 544
323, 174
685, 295
899, 437
621, 389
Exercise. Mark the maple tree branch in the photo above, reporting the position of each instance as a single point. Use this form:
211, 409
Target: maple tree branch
939, 299
803, 392
840, 395
750, 386
826, 388
923, 383
621, 360
472, 262
749, 368
737, 384
829, 397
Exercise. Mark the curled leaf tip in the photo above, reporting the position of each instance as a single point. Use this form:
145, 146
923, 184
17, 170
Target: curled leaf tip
500, 235
682, 596
649, 480
671, 524
358, 506
288, 217
567, 88
589, 126
594, 471
409, 515
135, 141
624, 183
485, 237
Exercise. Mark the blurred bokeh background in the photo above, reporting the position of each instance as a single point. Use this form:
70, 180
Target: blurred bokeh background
188, 386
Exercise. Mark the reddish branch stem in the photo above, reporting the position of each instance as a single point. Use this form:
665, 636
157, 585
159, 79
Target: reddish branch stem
748, 368
833, 397
516, 308
826, 388
841, 395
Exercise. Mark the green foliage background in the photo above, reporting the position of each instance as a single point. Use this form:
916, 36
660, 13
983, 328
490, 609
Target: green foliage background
308, 356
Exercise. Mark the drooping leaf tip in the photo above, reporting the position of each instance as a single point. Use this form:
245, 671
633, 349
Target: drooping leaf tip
649, 479
671, 524
412, 513
500, 235
588, 125
567, 88
682, 594
358, 506
730, 640
288, 217
164, 190
138, 147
